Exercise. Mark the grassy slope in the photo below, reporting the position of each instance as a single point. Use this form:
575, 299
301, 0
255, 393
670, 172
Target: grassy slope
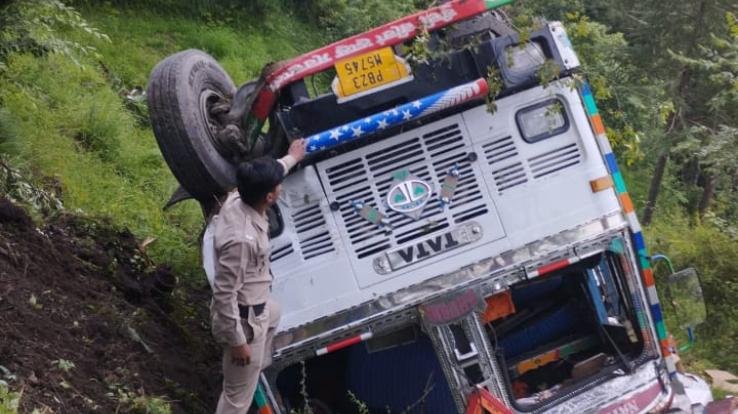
69, 123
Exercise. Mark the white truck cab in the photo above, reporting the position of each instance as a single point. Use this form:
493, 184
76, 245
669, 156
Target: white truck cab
431, 255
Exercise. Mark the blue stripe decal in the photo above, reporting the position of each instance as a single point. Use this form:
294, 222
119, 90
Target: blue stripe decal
612, 164
656, 312
586, 90
640, 244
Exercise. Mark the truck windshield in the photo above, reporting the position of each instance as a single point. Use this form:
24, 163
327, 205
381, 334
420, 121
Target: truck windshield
568, 327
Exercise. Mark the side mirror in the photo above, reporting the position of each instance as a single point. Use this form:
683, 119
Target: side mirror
684, 293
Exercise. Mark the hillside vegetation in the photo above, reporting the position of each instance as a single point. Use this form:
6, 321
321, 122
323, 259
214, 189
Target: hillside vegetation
74, 132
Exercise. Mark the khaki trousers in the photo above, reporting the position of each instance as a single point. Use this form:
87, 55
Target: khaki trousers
239, 382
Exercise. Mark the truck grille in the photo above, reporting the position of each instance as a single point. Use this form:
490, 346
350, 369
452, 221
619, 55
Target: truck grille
367, 177
509, 171
555, 160
312, 234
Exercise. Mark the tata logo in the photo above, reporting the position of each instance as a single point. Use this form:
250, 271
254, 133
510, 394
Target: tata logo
408, 194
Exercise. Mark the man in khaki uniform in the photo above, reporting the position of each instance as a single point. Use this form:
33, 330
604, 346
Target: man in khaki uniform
243, 316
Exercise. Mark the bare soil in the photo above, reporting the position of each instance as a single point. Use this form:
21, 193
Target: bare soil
89, 324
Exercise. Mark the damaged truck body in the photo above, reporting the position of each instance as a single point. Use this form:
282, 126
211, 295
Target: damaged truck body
435, 252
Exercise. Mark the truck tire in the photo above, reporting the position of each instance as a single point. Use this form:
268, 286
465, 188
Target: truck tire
182, 89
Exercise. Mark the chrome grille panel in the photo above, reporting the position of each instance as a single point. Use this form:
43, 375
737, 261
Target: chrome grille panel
365, 175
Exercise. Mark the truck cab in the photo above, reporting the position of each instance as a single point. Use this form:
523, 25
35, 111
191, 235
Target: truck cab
460, 237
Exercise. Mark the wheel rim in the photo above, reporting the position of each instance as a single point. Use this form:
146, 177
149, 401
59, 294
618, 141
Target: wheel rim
208, 99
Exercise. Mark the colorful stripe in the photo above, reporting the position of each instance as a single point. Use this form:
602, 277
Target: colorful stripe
597, 126
261, 400
551, 267
652, 294
612, 165
344, 343
396, 116
648, 277
619, 182
604, 144
626, 203
635, 226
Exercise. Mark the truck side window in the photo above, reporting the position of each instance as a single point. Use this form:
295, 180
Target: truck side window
542, 120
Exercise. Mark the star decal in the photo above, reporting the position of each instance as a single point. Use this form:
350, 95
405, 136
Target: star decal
357, 132
417, 104
368, 120
406, 115
382, 124
335, 134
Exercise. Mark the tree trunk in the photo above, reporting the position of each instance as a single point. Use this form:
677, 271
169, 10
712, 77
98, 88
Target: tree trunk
653, 190
708, 192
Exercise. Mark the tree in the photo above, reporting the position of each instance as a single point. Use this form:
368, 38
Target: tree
666, 39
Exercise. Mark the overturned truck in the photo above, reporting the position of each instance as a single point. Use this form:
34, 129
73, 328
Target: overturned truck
431, 254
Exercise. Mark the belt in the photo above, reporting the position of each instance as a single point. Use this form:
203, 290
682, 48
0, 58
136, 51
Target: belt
243, 310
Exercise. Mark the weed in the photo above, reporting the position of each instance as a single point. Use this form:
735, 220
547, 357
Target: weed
144, 404
64, 365
9, 400
361, 406
135, 402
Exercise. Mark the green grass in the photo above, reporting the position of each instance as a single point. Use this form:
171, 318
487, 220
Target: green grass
66, 122
140, 38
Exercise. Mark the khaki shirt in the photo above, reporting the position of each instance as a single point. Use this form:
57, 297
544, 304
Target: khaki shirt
242, 274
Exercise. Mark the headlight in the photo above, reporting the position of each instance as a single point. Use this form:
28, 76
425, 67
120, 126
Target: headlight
521, 62
542, 120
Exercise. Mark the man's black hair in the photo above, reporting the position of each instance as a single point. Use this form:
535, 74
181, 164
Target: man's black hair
257, 178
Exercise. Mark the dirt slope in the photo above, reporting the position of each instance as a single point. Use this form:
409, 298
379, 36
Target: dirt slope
87, 324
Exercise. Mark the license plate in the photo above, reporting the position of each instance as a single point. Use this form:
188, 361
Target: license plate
370, 70
431, 246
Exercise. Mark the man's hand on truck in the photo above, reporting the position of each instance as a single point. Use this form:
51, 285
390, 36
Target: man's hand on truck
297, 149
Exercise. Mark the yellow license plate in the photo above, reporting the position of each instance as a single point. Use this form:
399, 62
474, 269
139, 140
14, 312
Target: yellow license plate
367, 71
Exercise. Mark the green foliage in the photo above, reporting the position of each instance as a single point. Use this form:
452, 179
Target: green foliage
150, 405
342, 18
138, 402
494, 86
9, 400
15, 186
64, 365
40, 26
713, 253
627, 101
